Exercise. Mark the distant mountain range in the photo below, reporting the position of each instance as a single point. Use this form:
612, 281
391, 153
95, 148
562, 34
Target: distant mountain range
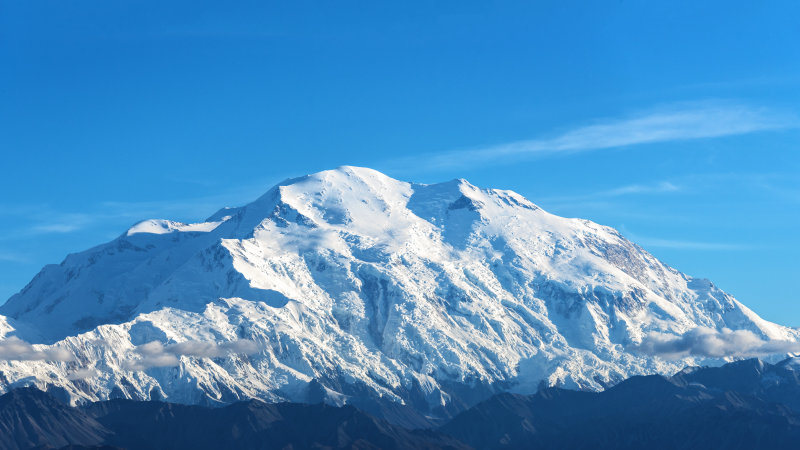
743, 405
412, 302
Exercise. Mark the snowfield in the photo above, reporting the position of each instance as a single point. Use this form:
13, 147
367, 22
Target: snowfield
353, 287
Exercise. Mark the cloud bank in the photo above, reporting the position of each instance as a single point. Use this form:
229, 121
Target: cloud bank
15, 349
711, 343
155, 354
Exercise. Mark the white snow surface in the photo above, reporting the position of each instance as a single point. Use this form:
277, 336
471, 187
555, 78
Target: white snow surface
370, 286
156, 226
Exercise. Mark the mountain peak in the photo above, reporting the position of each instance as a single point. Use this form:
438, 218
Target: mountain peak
342, 175
355, 288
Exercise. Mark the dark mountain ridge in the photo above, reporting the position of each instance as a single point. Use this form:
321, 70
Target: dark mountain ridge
30, 418
744, 404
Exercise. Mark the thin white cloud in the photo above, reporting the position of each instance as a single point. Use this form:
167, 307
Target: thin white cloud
44, 219
155, 354
688, 245
681, 122
57, 228
711, 343
629, 189
13, 257
664, 186
15, 349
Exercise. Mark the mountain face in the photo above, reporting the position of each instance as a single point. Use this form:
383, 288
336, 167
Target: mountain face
412, 301
737, 406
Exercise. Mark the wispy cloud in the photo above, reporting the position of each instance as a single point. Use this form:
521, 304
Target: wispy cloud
14, 348
679, 122
155, 354
37, 220
688, 245
664, 186
620, 191
63, 223
13, 257
711, 343
786, 193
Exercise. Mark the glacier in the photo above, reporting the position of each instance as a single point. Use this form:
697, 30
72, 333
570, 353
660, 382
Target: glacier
356, 288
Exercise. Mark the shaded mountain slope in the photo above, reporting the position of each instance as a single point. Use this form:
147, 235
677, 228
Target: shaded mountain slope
729, 411
31, 418
642, 412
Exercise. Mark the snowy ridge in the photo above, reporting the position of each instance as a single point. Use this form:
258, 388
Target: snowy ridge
156, 226
357, 286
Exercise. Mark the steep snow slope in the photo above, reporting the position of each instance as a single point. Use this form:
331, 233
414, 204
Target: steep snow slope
355, 287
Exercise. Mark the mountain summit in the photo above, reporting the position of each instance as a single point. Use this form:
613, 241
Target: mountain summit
351, 287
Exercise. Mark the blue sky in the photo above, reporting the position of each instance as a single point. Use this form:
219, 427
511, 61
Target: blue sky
678, 124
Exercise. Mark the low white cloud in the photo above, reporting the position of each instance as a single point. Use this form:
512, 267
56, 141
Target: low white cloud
155, 354
15, 349
83, 373
711, 343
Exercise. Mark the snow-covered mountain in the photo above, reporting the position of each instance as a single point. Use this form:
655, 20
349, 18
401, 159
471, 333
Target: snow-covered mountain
354, 287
